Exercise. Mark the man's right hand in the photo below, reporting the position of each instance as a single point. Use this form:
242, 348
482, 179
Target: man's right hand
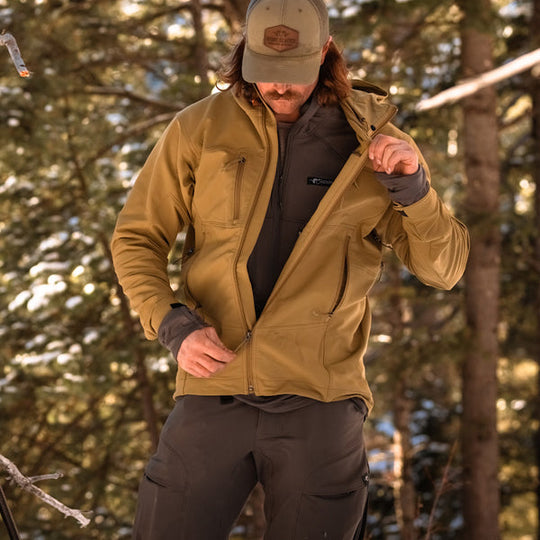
202, 354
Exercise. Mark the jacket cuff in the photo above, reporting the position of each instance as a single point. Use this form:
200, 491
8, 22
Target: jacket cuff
176, 327
405, 190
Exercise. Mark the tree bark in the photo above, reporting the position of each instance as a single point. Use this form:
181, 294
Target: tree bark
479, 424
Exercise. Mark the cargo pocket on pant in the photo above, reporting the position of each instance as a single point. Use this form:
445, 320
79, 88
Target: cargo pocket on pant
332, 515
160, 508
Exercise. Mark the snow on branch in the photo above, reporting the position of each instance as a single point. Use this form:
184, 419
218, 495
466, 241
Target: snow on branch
9, 41
470, 86
28, 485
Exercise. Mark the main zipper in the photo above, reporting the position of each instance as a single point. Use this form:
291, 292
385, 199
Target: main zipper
248, 333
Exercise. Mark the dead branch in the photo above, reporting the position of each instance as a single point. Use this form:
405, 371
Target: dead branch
53, 476
468, 87
28, 485
9, 41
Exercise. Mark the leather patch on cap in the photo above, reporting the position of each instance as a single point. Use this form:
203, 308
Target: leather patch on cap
281, 38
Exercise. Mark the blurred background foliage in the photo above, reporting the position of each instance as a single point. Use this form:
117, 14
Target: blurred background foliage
82, 392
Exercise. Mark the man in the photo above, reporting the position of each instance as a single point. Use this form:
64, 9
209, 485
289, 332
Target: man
288, 184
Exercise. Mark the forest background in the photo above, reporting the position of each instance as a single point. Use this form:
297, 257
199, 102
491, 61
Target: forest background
453, 439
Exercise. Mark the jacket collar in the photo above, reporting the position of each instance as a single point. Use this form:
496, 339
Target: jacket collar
367, 110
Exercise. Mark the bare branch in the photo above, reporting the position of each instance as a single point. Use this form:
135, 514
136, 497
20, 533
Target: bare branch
53, 476
27, 484
523, 63
9, 41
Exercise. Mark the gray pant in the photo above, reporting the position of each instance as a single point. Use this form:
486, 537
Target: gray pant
311, 462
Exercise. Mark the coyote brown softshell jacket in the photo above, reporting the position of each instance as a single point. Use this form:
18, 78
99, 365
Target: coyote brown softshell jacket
212, 173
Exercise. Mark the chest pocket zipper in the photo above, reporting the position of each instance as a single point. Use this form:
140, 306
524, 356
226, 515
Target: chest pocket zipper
241, 165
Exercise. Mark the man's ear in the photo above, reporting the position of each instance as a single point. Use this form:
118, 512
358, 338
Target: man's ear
325, 49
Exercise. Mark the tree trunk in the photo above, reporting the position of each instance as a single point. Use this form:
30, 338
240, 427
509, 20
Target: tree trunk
479, 424
404, 491
236, 9
200, 53
535, 95
405, 495
257, 523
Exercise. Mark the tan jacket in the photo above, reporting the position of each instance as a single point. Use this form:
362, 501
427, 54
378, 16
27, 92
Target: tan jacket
212, 172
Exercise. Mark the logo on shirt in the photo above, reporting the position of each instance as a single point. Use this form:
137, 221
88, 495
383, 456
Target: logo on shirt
316, 181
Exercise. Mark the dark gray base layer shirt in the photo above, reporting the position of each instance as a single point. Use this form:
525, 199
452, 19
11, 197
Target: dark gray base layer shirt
312, 152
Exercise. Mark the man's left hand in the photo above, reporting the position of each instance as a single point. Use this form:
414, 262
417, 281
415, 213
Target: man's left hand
392, 156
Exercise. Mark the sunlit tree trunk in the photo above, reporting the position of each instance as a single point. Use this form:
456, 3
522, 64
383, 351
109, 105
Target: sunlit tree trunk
257, 523
405, 496
479, 423
404, 491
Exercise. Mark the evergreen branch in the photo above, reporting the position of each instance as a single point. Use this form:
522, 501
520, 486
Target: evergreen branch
136, 129
133, 96
28, 485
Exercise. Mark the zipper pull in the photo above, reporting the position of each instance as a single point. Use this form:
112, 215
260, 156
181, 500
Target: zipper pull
247, 339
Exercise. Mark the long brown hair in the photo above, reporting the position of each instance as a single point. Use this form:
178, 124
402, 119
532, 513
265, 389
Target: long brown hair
333, 86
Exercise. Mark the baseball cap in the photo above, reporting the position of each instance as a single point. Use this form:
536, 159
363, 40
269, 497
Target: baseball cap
284, 40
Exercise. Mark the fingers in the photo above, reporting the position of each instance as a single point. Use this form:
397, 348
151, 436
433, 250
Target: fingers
392, 156
202, 353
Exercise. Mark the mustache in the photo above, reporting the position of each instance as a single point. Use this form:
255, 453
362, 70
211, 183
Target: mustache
288, 95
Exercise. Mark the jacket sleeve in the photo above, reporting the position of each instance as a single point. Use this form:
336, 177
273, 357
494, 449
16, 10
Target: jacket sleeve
157, 208
427, 238
431, 242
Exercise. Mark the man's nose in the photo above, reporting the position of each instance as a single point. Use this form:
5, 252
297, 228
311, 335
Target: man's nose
281, 88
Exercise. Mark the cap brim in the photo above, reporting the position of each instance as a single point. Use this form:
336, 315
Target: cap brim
285, 69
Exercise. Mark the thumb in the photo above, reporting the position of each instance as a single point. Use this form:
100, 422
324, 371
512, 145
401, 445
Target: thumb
214, 338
